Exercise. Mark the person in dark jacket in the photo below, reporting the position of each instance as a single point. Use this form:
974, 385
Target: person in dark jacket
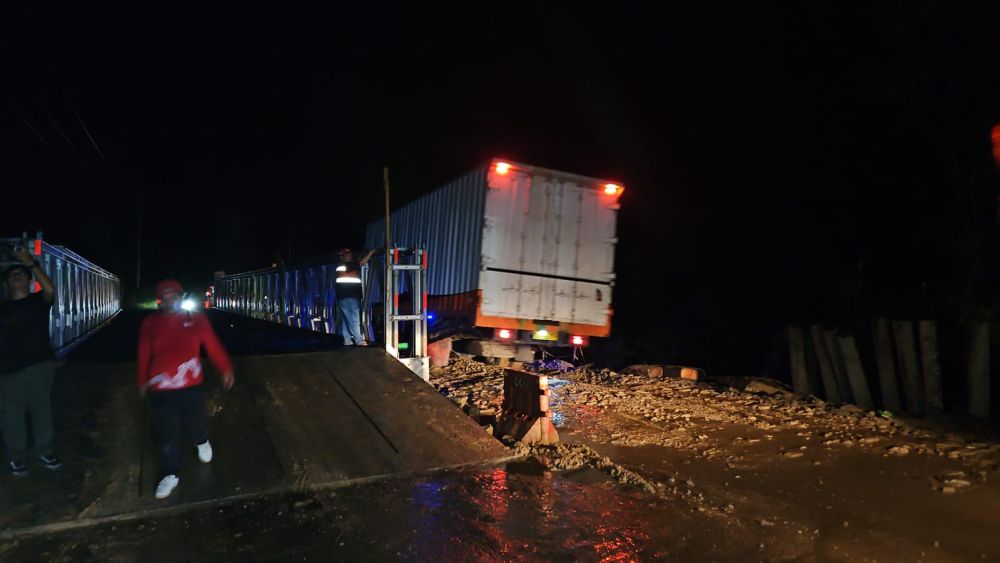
27, 368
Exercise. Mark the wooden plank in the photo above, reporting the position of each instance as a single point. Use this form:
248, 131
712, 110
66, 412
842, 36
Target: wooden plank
129, 445
253, 377
837, 362
830, 387
797, 359
323, 435
812, 365
428, 430
906, 356
886, 366
243, 460
855, 371
978, 366
288, 421
933, 396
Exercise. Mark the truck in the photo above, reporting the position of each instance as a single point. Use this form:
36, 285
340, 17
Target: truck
520, 256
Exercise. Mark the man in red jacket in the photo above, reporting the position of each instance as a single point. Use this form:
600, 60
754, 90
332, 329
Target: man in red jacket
169, 367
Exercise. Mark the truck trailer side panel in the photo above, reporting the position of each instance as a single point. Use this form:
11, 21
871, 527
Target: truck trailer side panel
450, 221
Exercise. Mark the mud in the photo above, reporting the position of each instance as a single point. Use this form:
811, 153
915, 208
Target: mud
648, 469
810, 479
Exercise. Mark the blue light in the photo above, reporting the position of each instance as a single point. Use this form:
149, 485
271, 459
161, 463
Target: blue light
430, 316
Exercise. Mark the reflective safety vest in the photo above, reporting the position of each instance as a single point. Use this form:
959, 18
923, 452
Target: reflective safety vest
348, 272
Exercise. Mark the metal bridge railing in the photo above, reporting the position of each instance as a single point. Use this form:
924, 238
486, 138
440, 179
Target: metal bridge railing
304, 296
87, 296
299, 296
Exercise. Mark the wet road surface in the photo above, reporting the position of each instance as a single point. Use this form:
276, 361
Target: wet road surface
508, 513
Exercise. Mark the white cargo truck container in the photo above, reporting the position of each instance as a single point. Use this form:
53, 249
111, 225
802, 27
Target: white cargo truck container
523, 253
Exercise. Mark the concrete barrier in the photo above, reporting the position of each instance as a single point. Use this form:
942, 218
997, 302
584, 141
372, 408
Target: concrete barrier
439, 352
525, 411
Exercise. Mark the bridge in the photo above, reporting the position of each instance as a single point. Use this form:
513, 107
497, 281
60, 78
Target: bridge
305, 413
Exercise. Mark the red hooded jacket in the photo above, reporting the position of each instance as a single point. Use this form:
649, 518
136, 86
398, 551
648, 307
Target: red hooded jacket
170, 350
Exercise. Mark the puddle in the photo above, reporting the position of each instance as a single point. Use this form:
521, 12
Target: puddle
507, 513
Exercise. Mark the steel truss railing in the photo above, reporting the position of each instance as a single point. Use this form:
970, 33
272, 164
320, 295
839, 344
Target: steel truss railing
87, 296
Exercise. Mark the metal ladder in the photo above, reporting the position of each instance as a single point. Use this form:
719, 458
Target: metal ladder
414, 261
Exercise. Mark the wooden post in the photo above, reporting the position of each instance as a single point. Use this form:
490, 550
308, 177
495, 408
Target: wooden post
830, 338
978, 368
797, 359
906, 354
812, 365
886, 366
933, 397
855, 371
830, 388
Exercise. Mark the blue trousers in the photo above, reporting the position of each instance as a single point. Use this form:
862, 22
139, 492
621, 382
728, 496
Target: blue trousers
350, 321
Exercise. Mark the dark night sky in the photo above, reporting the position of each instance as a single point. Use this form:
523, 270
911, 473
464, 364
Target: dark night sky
767, 152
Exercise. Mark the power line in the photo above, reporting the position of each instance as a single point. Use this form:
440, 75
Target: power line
61, 132
31, 127
76, 112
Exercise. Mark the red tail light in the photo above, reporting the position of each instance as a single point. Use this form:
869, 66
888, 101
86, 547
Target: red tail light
504, 334
502, 168
613, 189
577, 340
995, 135
38, 247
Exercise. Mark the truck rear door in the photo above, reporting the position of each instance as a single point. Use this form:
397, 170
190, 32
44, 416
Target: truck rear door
548, 247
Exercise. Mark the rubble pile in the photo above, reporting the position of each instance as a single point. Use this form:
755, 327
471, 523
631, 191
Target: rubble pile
636, 408
470, 383
568, 457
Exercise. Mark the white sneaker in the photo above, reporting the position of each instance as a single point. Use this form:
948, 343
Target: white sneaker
205, 452
166, 486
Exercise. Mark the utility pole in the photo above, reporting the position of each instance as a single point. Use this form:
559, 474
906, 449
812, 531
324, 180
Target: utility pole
387, 261
138, 240
385, 183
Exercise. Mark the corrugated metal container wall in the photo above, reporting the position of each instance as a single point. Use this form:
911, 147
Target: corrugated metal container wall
450, 221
